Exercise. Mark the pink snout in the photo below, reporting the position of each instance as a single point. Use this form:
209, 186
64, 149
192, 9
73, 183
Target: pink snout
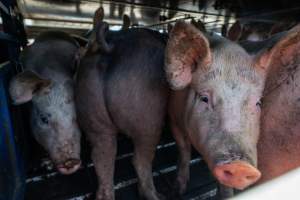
237, 174
68, 167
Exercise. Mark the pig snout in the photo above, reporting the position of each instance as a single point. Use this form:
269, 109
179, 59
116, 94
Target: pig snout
237, 174
68, 167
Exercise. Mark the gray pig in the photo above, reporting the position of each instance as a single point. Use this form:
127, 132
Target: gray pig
122, 88
47, 81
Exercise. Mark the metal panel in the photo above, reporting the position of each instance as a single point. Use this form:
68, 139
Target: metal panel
12, 180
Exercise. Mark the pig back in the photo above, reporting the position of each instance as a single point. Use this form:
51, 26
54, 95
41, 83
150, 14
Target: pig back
136, 85
128, 85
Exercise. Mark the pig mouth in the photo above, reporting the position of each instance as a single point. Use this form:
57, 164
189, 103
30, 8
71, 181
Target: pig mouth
69, 166
237, 174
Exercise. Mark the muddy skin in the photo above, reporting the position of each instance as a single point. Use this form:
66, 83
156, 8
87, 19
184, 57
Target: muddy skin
47, 82
124, 91
216, 103
212, 77
280, 130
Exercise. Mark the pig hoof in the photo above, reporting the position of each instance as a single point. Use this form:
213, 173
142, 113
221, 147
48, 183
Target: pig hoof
161, 197
103, 198
104, 195
181, 185
153, 196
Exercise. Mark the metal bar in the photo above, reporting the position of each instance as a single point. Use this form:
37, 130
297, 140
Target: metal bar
271, 13
60, 20
4, 8
11, 167
169, 21
155, 7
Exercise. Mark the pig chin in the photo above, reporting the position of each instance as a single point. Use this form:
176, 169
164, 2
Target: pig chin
69, 166
66, 163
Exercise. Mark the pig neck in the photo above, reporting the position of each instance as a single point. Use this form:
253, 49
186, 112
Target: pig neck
177, 108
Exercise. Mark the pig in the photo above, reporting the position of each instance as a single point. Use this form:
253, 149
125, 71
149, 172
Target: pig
126, 22
278, 145
198, 24
47, 81
254, 31
258, 31
121, 88
215, 104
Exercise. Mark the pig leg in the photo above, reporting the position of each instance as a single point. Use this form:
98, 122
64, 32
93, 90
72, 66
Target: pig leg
144, 150
104, 150
224, 192
184, 148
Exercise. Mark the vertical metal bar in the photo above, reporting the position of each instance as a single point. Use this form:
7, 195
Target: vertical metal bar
12, 179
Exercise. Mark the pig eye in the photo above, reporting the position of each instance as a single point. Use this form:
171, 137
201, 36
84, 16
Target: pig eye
44, 119
204, 98
259, 103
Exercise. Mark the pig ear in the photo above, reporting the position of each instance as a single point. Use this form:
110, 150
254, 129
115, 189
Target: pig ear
281, 26
285, 52
25, 85
277, 28
187, 47
98, 37
82, 42
169, 27
126, 22
98, 16
235, 31
224, 30
199, 25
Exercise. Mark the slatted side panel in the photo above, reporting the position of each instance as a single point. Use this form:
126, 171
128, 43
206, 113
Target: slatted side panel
43, 184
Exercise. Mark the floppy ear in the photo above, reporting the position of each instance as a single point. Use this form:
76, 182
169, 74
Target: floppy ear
98, 16
169, 27
25, 85
235, 31
281, 26
187, 48
126, 22
199, 25
82, 42
282, 58
97, 40
224, 30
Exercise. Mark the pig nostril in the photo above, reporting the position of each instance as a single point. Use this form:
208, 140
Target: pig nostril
228, 174
71, 163
68, 164
250, 177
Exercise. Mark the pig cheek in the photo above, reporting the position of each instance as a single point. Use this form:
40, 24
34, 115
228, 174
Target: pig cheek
254, 123
198, 133
48, 139
44, 138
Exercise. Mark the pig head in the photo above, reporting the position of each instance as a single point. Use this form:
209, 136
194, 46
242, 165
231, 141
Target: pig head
216, 100
47, 82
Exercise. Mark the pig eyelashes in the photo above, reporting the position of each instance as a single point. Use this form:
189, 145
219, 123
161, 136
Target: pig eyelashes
259, 103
